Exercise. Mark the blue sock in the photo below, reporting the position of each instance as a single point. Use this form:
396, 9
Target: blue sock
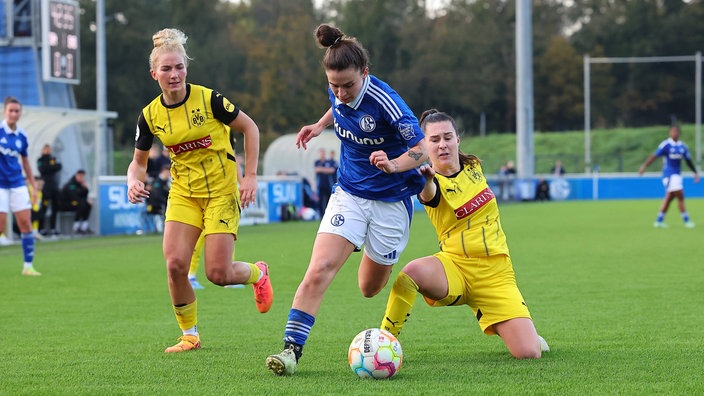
28, 247
685, 217
298, 327
661, 217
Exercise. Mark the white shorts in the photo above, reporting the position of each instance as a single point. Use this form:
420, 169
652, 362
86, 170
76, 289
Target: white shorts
673, 183
14, 199
382, 227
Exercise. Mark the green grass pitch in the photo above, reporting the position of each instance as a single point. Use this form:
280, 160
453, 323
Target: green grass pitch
619, 302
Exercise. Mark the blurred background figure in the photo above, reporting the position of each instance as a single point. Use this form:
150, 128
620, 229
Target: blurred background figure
542, 190
49, 168
75, 199
325, 170
333, 162
557, 169
156, 202
507, 175
158, 158
38, 212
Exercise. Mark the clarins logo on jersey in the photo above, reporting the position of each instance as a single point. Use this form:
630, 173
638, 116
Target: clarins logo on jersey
367, 123
345, 134
197, 118
201, 143
474, 204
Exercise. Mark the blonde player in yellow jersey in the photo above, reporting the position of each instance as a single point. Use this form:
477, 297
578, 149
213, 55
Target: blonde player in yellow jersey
192, 122
473, 266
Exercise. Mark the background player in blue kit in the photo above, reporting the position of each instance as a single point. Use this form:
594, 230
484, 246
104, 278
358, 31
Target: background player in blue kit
381, 147
672, 151
14, 191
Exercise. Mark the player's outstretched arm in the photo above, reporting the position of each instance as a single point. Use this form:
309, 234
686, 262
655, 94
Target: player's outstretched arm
308, 132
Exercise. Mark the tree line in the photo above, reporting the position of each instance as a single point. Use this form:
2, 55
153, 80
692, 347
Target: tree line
459, 58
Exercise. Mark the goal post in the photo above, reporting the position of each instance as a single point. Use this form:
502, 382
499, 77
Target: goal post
697, 59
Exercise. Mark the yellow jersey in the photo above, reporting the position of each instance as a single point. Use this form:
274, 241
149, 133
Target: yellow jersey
465, 214
201, 146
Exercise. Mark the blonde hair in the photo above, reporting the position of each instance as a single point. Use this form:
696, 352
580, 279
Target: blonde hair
168, 40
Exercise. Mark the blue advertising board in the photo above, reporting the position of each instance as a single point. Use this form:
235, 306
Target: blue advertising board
273, 193
281, 193
603, 186
117, 214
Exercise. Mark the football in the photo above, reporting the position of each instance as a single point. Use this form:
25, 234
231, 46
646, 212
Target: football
375, 353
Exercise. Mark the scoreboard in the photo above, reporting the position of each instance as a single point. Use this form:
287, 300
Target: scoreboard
61, 41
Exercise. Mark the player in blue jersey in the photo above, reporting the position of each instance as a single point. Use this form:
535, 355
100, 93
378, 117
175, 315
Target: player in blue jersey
15, 195
672, 151
381, 148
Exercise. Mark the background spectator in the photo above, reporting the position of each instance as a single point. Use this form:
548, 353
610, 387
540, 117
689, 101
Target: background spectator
557, 169
542, 190
334, 164
507, 175
158, 195
49, 168
75, 199
38, 212
325, 172
157, 159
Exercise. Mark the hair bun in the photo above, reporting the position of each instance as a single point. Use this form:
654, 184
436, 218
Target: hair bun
169, 36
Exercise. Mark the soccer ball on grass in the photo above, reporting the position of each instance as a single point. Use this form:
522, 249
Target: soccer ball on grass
375, 353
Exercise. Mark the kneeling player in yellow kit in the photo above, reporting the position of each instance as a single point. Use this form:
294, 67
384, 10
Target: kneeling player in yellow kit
473, 266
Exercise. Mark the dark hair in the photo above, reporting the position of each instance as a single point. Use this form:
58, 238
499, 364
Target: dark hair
342, 52
11, 99
432, 116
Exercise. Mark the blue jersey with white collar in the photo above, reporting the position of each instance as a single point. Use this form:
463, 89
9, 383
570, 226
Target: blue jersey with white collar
378, 119
672, 153
13, 146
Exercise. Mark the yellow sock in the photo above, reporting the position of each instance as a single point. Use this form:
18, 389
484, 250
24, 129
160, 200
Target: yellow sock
195, 258
187, 315
254, 274
401, 300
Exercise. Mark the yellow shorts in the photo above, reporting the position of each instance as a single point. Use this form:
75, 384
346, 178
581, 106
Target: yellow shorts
219, 215
487, 285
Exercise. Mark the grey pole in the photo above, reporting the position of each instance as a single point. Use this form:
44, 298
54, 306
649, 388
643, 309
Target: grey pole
524, 90
100, 85
698, 108
587, 118
101, 103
